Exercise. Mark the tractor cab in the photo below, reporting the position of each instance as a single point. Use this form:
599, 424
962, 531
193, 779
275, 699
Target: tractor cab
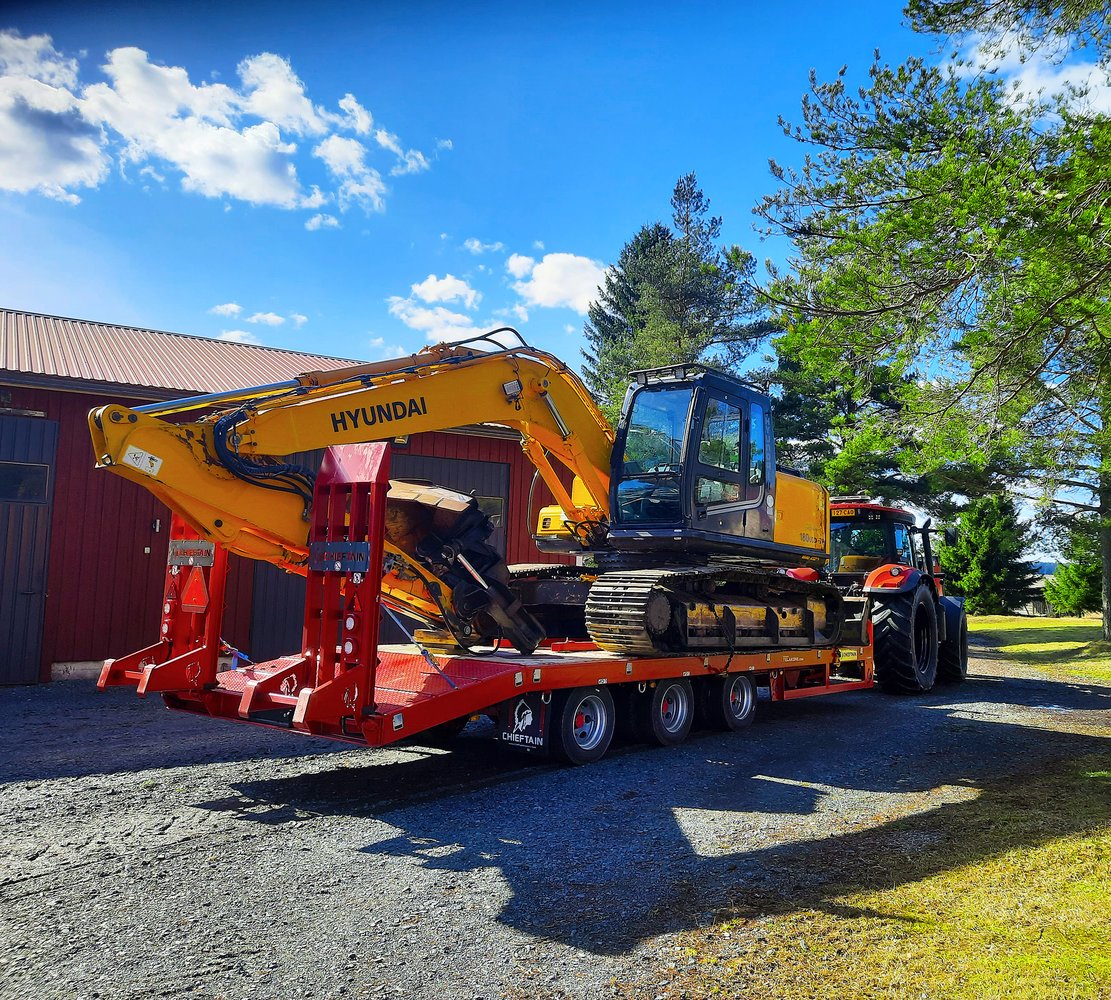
865, 536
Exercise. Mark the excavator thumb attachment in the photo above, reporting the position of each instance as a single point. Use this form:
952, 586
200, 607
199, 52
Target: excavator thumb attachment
446, 534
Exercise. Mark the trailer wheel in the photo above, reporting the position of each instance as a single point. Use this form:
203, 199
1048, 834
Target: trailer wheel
952, 657
667, 715
445, 734
582, 724
905, 630
727, 702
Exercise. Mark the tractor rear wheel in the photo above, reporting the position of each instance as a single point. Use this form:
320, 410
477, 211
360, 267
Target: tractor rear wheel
952, 657
904, 627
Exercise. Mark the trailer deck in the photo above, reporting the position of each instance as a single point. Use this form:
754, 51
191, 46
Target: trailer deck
412, 695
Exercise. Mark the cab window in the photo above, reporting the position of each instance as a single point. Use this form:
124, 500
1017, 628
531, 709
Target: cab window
757, 459
904, 546
721, 436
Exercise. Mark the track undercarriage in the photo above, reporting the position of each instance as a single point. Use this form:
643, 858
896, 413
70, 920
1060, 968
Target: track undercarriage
662, 610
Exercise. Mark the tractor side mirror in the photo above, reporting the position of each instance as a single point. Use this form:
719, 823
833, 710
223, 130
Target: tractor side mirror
950, 535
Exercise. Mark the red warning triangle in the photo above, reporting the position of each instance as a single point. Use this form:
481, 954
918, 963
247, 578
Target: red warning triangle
194, 595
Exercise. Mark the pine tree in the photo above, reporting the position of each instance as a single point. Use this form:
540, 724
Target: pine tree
985, 564
1076, 586
675, 296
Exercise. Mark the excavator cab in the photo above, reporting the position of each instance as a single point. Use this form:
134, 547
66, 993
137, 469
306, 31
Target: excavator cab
694, 471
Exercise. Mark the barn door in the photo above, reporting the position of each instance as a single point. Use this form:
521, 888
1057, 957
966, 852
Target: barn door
488, 482
27, 447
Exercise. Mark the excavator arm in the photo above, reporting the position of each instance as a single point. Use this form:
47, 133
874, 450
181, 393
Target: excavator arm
226, 474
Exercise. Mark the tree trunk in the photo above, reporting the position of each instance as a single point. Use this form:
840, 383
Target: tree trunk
1105, 548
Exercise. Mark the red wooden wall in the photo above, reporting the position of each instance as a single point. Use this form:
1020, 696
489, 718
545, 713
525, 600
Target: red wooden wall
103, 591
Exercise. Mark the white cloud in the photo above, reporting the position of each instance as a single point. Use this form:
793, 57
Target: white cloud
46, 142
225, 141
381, 351
446, 289
358, 119
436, 323
239, 337
445, 144
36, 58
321, 222
519, 265
226, 309
476, 246
270, 319
409, 161
561, 280
1040, 74
274, 93
359, 184
161, 115
298, 319
315, 199
538, 244
515, 312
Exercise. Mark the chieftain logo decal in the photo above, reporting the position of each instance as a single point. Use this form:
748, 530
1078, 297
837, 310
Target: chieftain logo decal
383, 413
522, 717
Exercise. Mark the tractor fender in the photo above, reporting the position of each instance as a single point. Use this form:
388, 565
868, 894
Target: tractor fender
892, 578
952, 607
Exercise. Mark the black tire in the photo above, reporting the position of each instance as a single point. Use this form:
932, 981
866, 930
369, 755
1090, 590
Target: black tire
952, 657
727, 702
443, 735
582, 722
904, 628
667, 712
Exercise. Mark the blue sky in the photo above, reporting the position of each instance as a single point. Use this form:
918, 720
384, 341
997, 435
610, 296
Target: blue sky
370, 178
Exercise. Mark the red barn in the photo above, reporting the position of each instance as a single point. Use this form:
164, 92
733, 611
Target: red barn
84, 552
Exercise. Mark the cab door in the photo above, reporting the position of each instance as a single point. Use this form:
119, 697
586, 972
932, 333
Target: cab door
730, 466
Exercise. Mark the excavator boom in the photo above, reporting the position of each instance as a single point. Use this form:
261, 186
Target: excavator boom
221, 474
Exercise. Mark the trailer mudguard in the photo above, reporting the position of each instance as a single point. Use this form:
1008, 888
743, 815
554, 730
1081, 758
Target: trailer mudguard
892, 578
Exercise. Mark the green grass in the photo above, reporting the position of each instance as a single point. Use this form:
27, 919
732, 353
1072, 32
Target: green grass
1003, 895
1069, 646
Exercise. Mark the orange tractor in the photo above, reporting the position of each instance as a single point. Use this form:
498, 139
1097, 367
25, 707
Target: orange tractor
884, 565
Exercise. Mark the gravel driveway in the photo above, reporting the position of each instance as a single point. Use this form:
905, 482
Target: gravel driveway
145, 853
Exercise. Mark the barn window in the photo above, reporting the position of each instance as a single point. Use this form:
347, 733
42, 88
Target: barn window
23, 483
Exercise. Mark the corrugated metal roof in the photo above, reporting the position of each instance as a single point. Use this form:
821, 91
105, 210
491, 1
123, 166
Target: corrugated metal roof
36, 344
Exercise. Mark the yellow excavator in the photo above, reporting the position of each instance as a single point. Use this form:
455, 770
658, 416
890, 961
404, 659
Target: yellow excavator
696, 541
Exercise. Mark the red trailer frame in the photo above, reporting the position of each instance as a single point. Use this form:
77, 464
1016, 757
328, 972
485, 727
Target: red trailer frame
343, 686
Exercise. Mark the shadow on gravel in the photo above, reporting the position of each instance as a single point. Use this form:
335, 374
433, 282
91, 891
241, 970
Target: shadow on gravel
635, 846
68, 729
